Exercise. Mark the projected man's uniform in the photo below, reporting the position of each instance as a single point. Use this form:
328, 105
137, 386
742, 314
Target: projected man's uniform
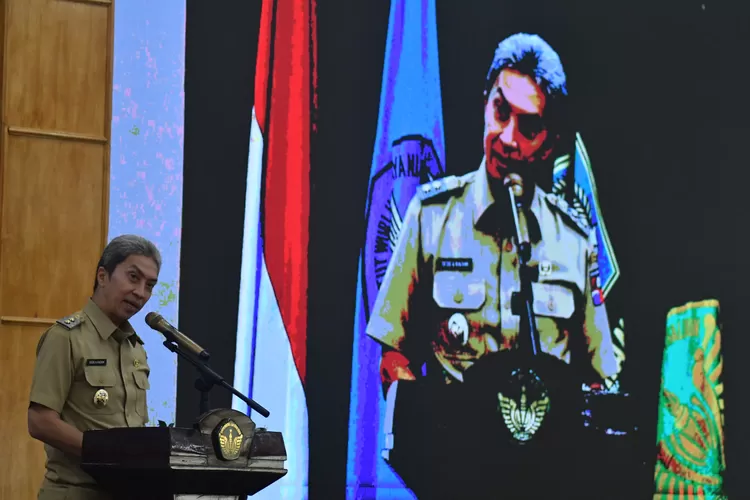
456, 265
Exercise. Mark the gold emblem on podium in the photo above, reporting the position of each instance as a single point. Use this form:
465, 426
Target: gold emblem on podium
101, 398
228, 440
524, 406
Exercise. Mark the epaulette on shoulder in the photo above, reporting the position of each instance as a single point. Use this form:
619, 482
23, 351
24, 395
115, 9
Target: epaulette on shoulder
72, 321
432, 190
576, 219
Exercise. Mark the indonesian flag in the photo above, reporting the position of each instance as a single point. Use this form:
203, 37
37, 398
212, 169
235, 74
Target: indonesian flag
270, 363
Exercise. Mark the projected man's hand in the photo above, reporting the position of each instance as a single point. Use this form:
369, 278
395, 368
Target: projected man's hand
394, 366
618, 343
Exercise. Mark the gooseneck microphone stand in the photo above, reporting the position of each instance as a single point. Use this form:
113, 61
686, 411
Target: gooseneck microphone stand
208, 378
522, 303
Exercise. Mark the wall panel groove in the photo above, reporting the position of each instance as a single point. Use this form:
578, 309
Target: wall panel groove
92, 2
55, 134
26, 321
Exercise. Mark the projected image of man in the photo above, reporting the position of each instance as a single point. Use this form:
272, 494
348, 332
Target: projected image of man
455, 267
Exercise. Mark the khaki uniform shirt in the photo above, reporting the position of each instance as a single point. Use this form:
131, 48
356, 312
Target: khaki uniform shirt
95, 375
454, 270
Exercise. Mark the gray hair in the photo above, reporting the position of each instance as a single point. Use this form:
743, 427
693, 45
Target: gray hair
122, 247
532, 56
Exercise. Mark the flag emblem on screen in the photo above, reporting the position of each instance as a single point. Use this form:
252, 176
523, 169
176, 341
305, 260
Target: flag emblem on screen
408, 151
583, 198
413, 161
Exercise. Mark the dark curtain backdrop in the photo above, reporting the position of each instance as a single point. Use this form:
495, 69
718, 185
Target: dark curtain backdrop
221, 43
351, 47
659, 98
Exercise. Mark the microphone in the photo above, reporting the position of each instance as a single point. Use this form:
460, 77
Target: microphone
522, 302
514, 183
208, 377
158, 323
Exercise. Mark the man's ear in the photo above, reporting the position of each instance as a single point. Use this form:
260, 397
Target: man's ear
101, 276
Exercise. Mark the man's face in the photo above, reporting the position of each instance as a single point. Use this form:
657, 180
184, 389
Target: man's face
514, 130
128, 288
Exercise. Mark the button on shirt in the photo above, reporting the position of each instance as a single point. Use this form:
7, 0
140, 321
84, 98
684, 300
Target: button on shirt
95, 375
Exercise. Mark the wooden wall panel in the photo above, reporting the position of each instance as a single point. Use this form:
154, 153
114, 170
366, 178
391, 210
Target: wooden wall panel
55, 96
57, 62
55, 187
22, 470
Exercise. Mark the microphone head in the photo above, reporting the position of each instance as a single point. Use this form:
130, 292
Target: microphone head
152, 319
515, 182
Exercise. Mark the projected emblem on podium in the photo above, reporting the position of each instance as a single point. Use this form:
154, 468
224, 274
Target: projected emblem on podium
228, 440
523, 405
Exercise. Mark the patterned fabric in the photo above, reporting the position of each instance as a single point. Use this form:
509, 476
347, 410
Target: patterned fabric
690, 432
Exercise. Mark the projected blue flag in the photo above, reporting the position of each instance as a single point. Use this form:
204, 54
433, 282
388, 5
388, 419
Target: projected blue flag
409, 151
585, 200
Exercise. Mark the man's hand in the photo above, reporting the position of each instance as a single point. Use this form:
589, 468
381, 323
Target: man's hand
46, 426
394, 366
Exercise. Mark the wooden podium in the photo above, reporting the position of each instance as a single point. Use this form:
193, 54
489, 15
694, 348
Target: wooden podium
223, 456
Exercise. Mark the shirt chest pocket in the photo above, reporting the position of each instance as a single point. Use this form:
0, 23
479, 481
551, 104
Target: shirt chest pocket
140, 377
459, 291
553, 300
97, 393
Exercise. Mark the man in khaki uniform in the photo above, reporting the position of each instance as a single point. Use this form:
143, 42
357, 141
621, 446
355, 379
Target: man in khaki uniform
91, 370
471, 272
455, 266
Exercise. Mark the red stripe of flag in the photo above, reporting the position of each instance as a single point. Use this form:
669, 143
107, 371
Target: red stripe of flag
286, 205
263, 62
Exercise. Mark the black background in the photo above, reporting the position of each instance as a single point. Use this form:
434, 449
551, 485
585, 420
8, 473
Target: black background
660, 99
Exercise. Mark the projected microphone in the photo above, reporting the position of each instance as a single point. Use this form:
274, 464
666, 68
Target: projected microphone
158, 323
521, 302
514, 183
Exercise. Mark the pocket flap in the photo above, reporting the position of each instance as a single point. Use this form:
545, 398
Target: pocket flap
452, 290
99, 376
141, 380
553, 300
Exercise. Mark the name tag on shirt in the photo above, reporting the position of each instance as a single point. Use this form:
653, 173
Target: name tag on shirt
454, 264
96, 362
